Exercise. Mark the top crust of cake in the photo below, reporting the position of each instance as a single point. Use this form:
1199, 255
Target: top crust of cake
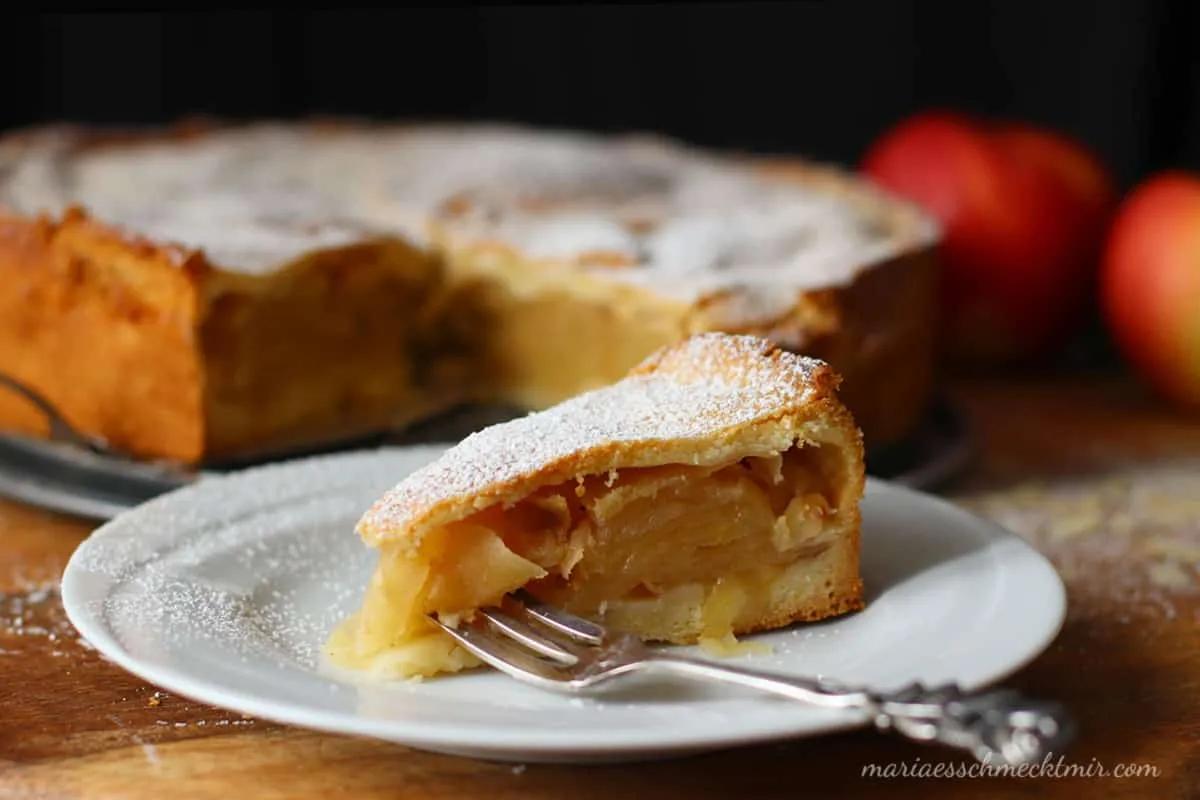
640, 210
705, 401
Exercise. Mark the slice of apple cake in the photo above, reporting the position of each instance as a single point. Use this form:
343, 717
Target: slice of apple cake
712, 491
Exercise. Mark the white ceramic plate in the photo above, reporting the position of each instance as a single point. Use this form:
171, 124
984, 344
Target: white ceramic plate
224, 592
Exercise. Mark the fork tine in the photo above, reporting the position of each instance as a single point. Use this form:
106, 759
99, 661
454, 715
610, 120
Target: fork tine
500, 653
578, 628
526, 634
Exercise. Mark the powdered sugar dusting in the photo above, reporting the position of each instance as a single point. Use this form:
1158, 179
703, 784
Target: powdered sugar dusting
1127, 543
243, 581
692, 391
254, 198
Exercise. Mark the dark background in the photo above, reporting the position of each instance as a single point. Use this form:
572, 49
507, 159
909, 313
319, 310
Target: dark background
820, 78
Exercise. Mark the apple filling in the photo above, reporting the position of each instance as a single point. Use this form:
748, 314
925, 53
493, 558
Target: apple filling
674, 553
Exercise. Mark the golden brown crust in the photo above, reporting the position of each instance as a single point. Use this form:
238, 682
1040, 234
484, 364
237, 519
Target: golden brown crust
709, 400
841, 593
104, 327
879, 331
842, 600
164, 355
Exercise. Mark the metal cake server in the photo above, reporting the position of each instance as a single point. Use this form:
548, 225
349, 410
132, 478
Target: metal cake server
60, 429
74, 472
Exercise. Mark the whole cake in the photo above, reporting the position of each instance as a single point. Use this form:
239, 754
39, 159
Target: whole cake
211, 292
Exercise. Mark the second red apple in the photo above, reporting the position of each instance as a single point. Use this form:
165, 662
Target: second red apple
1023, 211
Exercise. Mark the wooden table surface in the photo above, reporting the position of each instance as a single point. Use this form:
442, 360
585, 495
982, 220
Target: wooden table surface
1102, 479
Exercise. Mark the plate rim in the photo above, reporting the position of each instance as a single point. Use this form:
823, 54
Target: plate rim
78, 600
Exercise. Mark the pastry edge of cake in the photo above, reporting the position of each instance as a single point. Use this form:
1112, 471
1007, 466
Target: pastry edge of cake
404, 518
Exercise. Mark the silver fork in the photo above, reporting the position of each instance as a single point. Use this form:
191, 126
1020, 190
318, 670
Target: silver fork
545, 646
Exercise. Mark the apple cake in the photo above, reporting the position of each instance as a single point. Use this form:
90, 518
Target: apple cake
212, 292
712, 491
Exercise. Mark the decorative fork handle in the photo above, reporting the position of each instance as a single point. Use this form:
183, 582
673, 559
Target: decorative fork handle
997, 726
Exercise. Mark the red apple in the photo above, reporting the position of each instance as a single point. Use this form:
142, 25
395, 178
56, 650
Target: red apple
1150, 283
1022, 212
